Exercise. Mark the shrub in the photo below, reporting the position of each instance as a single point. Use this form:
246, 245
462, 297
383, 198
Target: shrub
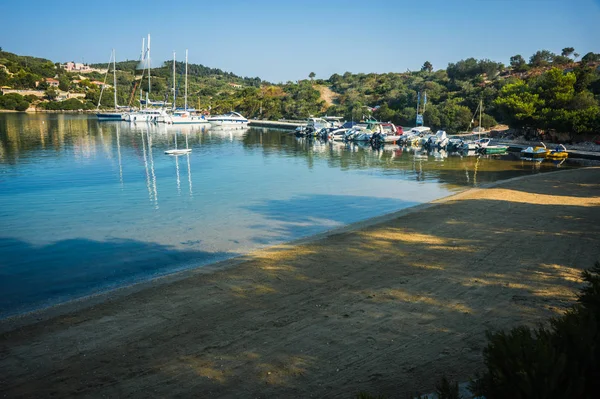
560, 361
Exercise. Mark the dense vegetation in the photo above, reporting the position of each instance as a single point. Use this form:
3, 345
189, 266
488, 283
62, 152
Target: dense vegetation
548, 92
541, 94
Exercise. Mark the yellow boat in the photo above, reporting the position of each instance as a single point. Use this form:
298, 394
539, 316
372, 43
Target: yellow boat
558, 153
535, 152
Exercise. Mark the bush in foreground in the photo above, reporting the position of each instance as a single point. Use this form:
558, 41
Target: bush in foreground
560, 361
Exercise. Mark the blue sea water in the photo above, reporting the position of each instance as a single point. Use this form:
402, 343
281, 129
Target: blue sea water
88, 206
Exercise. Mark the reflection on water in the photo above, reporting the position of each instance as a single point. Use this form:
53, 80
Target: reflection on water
86, 206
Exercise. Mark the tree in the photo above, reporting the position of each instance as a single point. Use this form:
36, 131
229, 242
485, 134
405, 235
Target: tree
590, 57
519, 105
541, 58
567, 51
63, 83
312, 75
517, 62
427, 66
51, 93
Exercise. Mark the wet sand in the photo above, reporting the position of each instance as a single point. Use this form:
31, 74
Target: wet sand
385, 306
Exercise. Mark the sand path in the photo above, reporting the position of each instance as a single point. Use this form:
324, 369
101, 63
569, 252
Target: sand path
386, 308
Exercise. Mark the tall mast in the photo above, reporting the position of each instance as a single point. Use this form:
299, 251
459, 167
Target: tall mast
418, 101
115, 78
143, 61
174, 95
480, 109
149, 65
186, 60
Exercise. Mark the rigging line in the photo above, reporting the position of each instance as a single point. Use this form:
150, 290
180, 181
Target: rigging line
104, 84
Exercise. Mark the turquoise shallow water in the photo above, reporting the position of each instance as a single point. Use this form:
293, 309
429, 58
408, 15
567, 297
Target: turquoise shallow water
87, 206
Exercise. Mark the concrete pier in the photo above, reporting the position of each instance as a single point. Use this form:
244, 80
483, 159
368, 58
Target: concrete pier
282, 124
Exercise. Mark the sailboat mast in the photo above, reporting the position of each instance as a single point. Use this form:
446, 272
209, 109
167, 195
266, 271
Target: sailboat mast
149, 64
115, 77
143, 60
174, 92
186, 73
104, 84
418, 101
480, 110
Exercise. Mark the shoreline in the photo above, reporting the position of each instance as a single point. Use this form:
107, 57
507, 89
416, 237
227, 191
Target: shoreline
386, 305
77, 304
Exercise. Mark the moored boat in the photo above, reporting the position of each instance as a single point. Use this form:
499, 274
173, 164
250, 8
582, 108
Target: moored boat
560, 152
230, 119
494, 149
535, 152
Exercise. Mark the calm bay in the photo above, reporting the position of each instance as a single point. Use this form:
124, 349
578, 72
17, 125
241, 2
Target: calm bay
88, 206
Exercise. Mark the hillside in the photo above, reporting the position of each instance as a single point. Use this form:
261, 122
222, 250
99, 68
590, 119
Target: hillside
550, 92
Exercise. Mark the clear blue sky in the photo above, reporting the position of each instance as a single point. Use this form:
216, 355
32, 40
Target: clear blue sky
286, 40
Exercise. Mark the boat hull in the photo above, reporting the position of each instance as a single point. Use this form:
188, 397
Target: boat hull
495, 150
239, 123
109, 116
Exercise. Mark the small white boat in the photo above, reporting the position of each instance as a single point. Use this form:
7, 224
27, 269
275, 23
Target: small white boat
476, 144
440, 140
338, 134
230, 119
177, 151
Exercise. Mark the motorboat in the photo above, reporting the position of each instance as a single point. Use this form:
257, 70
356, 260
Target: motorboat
233, 119
454, 145
476, 144
388, 133
337, 134
535, 152
439, 140
414, 136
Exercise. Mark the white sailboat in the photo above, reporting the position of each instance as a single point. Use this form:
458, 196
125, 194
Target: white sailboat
184, 116
179, 151
147, 114
110, 116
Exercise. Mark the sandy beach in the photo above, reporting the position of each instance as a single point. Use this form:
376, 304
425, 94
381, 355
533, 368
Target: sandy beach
385, 306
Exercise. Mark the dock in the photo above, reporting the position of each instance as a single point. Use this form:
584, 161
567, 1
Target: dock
280, 124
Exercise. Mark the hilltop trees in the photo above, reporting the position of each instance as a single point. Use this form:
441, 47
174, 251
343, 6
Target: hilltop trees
427, 66
567, 51
518, 63
590, 57
542, 58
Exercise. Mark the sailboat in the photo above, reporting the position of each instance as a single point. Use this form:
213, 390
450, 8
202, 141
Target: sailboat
147, 114
183, 116
110, 116
179, 151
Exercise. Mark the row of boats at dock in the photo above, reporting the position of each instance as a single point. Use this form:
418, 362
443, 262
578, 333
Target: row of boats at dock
378, 133
175, 117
